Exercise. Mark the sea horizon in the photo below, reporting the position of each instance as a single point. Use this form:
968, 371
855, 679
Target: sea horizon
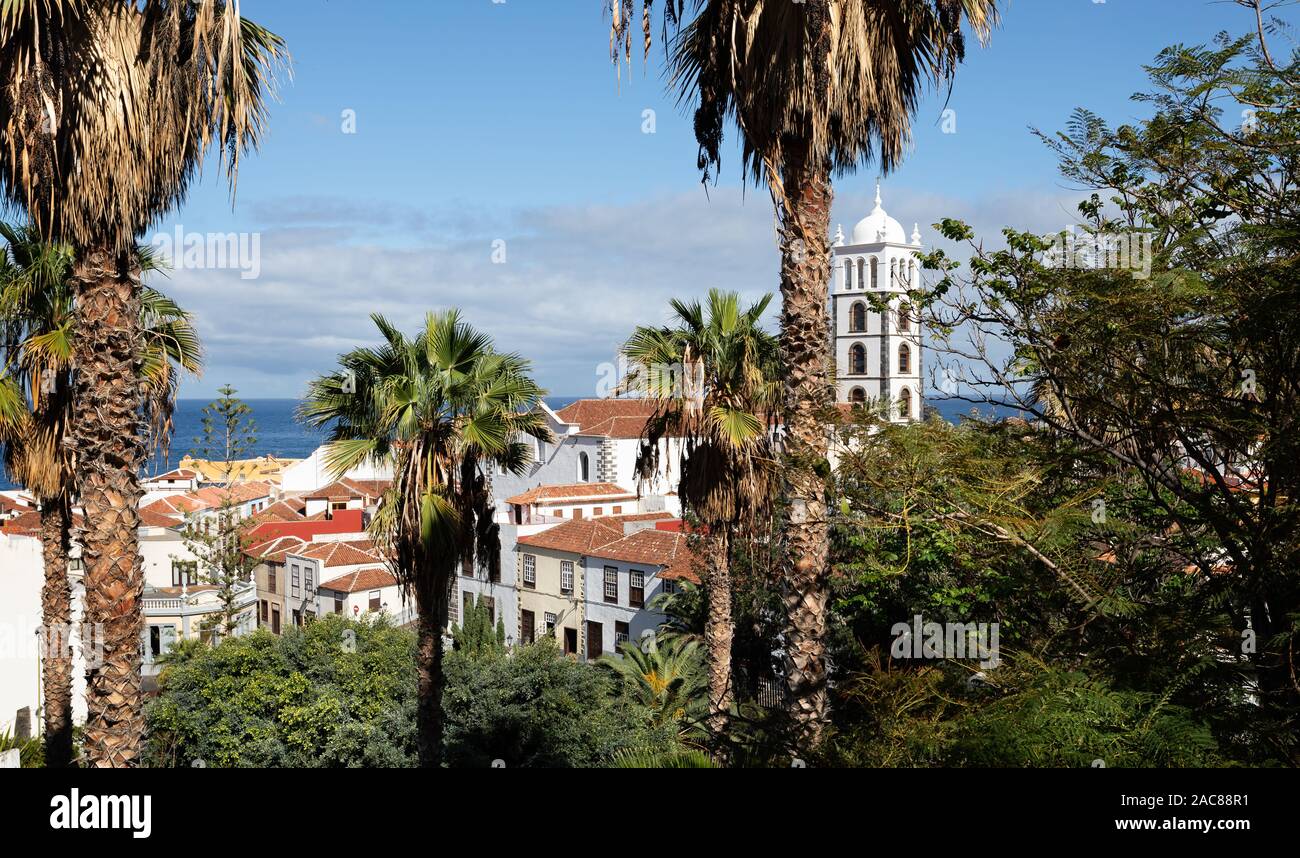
280, 434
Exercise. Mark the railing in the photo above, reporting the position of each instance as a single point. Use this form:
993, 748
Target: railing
161, 605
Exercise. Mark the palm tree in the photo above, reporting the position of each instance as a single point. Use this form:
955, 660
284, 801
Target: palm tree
108, 109
37, 332
815, 88
663, 677
441, 408
728, 388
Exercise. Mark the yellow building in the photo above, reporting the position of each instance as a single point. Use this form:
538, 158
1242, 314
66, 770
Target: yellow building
551, 580
263, 468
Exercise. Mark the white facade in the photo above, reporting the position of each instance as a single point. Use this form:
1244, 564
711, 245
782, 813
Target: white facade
21, 577
877, 354
311, 474
609, 617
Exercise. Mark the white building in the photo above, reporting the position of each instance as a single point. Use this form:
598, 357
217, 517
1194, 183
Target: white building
622, 579
369, 590
22, 574
877, 354
311, 473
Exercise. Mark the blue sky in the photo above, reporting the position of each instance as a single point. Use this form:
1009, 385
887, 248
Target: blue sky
479, 122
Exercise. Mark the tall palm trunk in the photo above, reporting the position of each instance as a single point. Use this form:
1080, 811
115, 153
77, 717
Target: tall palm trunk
719, 631
805, 348
109, 451
56, 612
432, 609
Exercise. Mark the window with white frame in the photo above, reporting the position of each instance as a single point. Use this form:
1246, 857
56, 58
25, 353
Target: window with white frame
611, 584
550, 620
530, 571
295, 580
566, 576
669, 586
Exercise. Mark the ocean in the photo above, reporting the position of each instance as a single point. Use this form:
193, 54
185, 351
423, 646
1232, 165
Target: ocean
280, 435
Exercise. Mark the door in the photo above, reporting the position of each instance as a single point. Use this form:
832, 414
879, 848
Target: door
570, 641
595, 640
275, 619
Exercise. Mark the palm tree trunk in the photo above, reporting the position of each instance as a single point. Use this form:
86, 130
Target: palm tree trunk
56, 611
430, 679
805, 348
109, 450
718, 633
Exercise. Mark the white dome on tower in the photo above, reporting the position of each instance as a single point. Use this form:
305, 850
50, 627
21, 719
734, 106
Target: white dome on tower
878, 227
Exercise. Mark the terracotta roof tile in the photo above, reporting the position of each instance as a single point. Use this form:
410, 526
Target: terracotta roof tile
153, 518
572, 492
275, 550
345, 489
370, 578
339, 554
609, 418
654, 548
580, 536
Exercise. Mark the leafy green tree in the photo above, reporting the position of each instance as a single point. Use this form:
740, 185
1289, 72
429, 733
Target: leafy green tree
989, 522
540, 708
440, 408
715, 378
336, 693
476, 635
1180, 377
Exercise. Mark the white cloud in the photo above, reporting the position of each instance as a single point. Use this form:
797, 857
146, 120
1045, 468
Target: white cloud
576, 281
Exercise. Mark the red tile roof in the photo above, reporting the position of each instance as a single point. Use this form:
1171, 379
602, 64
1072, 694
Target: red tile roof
150, 517
346, 489
654, 548
287, 509
370, 578
178, 474
215, 496
178, 505
357, 553
571, 493
24, 524
609, 418
275, 550
8, 504
580, 536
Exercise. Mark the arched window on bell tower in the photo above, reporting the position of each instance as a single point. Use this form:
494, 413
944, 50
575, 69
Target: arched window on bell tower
905, 318
857, 360
848, 274
905, 404
904, 360
584, 468
860, 280
875, 273
911, 274
858, 318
